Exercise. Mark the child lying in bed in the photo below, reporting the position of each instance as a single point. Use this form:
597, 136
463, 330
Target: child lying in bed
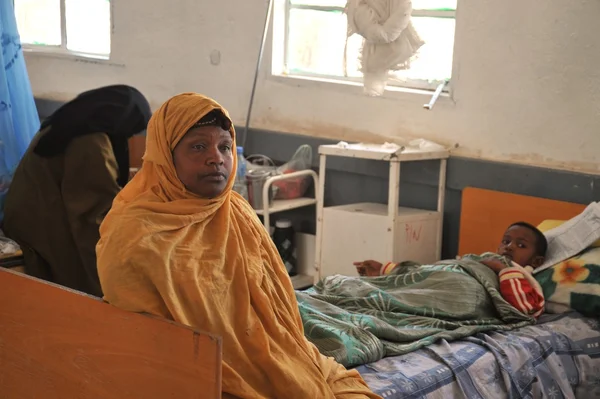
522, 244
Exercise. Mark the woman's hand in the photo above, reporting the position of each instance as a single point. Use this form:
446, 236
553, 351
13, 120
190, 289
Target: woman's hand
494, 264
368, 268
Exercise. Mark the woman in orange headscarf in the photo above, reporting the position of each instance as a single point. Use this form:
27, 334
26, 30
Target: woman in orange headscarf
181, 244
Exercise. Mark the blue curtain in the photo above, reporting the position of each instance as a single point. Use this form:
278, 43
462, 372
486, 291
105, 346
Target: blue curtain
19, 120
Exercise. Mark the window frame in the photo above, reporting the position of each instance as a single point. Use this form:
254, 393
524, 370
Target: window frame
280, 66
62, 50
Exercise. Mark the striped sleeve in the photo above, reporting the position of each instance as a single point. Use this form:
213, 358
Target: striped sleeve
388, 268
520, 293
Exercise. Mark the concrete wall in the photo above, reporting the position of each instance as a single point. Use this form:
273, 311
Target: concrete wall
526, 90
351, 181
526, 82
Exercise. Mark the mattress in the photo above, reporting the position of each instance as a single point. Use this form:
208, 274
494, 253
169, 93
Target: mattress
557, 358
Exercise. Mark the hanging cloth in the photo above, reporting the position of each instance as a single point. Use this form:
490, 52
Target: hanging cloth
390, 39
19, 120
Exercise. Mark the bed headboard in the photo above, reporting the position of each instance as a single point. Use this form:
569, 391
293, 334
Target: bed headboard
485, 214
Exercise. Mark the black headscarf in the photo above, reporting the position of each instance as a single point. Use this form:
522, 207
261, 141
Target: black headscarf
120, 111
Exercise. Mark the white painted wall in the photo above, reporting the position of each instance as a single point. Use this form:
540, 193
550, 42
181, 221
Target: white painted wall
526, 85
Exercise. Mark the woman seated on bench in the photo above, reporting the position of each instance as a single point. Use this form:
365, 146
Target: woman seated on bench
180, 244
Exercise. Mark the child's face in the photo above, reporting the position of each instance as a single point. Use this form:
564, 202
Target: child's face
518, 245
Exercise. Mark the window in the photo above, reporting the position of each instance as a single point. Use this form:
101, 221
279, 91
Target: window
81, 27
310, 41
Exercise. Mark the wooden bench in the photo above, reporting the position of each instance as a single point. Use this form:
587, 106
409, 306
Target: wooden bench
57, 344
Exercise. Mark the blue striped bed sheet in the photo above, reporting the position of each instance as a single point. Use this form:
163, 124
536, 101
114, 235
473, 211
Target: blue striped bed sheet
557, 358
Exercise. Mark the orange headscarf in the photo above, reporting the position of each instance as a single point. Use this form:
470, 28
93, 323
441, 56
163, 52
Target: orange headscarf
210, 264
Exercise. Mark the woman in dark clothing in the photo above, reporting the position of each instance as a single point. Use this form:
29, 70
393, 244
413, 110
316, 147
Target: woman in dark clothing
67, 180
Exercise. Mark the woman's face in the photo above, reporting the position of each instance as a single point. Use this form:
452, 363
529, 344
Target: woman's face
204, 160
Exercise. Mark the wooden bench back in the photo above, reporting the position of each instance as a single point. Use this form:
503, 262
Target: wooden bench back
58, 344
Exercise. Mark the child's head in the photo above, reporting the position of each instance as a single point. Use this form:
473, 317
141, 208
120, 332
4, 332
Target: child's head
524, 244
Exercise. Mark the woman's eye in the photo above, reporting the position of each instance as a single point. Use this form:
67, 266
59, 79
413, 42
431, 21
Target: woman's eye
521, 245
198, 146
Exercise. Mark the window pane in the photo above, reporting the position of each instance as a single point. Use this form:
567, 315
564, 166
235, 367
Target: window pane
88, 26
434, 60
316, 42
354, 46
38, 21
317, 39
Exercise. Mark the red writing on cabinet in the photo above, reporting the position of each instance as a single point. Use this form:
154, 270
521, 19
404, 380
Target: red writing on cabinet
413, 233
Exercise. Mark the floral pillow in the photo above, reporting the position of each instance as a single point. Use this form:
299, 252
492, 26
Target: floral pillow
573, 284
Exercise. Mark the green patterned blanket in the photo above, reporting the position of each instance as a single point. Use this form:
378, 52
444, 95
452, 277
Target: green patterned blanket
359, 320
